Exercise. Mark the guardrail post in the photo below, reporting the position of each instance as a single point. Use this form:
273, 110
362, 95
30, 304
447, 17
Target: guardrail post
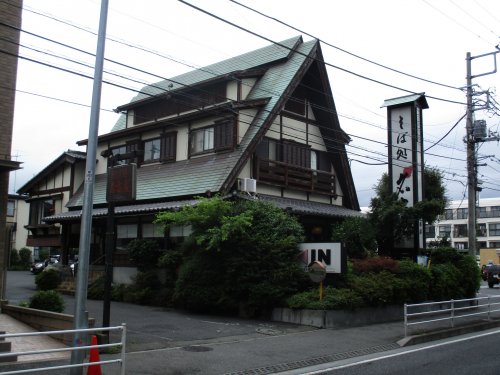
124, 339
406, 319
452, 313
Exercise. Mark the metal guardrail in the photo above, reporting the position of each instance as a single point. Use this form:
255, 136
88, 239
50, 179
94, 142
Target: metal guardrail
451, 310
119, 344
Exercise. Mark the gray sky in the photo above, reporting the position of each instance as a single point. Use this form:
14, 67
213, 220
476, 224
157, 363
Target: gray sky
424, 38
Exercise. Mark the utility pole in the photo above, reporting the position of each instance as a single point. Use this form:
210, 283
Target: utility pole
471, 161
81, 316
471, 141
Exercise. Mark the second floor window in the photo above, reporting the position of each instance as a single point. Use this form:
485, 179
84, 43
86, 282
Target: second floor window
494, 229
495, 211
152, 149
214, 138
460, 230
462, 213
202, 140
448, 214
481, 212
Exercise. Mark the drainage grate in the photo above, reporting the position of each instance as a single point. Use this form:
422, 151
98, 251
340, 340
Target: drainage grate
314, 361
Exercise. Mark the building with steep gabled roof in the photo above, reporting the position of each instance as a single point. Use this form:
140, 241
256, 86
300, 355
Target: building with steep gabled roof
261, 125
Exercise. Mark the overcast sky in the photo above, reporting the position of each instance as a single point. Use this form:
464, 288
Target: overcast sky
423, 38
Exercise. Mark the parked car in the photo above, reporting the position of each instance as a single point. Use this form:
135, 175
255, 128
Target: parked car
493, 277
38, 267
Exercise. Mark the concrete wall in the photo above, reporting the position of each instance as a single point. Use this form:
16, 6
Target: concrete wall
44, 320
338, 318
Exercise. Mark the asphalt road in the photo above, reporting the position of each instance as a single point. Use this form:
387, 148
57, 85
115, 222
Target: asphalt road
473, 354
151, 327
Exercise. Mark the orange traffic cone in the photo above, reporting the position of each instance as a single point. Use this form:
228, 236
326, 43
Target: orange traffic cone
94, 357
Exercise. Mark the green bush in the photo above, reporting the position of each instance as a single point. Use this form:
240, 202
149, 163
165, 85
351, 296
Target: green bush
96, 289
470, 275
118, 292
468, 278
14, 257
48, 300
200, 285
25, 257
446, 282
48, 279
144, 253
412, 283
333, 299
376, 289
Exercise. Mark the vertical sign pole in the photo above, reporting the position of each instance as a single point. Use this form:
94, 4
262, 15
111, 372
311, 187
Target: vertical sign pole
81, 320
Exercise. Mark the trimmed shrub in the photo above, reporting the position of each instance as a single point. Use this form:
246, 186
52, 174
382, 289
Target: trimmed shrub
376, 289
446, 282
333, 299
48, 300
470, 275
25, 257
412, 283
48, 280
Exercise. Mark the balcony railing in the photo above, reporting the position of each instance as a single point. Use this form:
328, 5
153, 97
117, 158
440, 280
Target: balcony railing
281, 174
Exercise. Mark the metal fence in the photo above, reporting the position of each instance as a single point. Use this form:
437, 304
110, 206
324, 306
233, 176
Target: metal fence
118, 344
444, 314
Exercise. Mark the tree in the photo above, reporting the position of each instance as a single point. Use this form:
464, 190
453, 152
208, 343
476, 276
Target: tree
393, 220
358, 235
240, 254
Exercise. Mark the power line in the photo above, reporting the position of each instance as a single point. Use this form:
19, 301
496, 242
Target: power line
324, 62
341, 49
162, 89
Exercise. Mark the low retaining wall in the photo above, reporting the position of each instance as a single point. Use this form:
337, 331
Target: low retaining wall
338, 318
42, 320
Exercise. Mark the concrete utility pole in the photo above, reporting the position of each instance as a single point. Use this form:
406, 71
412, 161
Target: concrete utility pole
81, 318
471, 161
471, 141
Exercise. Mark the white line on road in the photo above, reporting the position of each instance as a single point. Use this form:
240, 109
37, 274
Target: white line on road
403, 353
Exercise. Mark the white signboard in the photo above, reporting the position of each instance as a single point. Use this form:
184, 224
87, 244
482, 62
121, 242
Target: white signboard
328, 253
402, 154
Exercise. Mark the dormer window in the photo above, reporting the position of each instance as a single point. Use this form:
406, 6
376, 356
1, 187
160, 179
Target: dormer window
152, 150
214, 138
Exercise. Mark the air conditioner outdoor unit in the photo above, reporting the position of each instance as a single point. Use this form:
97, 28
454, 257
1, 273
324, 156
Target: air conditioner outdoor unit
248, 185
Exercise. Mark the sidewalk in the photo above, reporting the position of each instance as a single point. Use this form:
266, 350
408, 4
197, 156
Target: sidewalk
30, 343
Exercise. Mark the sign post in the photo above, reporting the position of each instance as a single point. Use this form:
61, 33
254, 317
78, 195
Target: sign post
317, 273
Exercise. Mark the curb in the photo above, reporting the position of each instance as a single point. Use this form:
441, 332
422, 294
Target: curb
445, 333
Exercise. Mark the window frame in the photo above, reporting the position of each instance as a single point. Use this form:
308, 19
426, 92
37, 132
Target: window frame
11, 208
147, 160
494, 232
217, 137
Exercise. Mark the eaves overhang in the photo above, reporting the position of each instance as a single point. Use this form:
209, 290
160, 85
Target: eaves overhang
214, 110
122, 210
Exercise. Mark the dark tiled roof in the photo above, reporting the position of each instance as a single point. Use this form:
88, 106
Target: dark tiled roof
123, 210
249, 60
163, 181
310, 208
